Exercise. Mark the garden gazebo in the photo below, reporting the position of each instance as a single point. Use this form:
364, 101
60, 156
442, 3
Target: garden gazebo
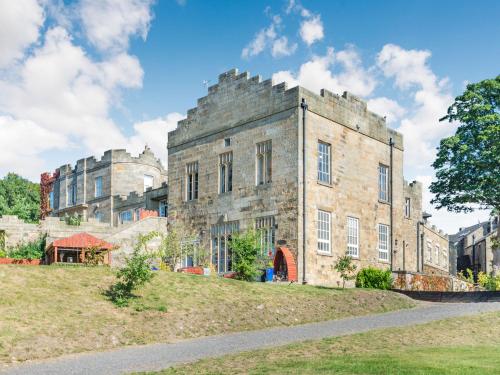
73, 249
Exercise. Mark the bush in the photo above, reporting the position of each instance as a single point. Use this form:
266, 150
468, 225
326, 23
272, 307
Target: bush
29, 250
135, 273
245, 248
489, 282
74, 220
374, 278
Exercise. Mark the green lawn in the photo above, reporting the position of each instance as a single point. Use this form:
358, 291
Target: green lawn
49, 311
468, 345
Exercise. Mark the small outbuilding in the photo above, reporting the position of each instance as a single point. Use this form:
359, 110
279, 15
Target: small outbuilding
76, 248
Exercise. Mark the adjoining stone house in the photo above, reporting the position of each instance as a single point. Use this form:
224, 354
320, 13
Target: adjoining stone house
240, 158
116, 189
474, 246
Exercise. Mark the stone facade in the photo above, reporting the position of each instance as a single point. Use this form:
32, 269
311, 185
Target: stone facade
92, 187
253, 121
477, 241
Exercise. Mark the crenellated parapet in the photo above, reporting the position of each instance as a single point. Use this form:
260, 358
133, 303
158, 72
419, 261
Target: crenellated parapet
351, 111
236, 99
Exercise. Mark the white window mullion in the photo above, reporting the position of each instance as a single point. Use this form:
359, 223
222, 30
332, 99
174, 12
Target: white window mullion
353, 237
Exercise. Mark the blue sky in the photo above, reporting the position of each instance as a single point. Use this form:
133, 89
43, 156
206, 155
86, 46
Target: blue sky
79, 77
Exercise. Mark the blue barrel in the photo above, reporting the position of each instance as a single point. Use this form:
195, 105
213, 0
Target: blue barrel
269, 274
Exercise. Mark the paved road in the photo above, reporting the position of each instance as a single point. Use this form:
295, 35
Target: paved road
160, 356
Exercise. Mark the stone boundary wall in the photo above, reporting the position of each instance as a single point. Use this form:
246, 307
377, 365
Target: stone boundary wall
409, 281
452, 297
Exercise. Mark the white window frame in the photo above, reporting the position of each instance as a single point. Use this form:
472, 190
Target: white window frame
429, 251
383, 242
263, 163
221, 237
267, 234
383, 183
352, 237
437, 251
445, 257
192, 181
324, 230
407, 207
98, 187
149, 182
226, 172
324, 162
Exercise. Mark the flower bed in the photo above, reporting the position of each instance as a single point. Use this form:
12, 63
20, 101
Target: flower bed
27, 262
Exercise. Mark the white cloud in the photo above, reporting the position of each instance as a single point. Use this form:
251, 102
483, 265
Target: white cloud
311, 29
22, 141
431, 98
265, 38
60, 97
281, 47
448, 222
20, 22
154, 134
318, 73
386, 107
109, 24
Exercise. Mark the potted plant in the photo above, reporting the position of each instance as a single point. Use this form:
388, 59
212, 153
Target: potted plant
204, 261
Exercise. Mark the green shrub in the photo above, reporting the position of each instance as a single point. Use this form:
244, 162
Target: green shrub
74, 220
135, 273
29, 250
374, 278
489, 282
245, 249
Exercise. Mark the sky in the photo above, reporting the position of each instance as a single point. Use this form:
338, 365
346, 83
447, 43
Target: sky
80, 77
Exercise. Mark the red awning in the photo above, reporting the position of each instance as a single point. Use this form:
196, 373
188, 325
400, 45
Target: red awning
82, 241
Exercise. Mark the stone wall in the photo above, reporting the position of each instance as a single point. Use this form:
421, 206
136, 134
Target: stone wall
126, 237
245, 111
436, 261
239, 112
121, 174
430, 282
16, 231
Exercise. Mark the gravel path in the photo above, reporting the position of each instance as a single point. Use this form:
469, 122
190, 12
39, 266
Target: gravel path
160, 356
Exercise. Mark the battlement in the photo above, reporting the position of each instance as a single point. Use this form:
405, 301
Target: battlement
351, 111
132, 198
238, 98
109, 157
234, 100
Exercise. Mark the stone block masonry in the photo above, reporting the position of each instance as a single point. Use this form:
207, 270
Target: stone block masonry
350, 155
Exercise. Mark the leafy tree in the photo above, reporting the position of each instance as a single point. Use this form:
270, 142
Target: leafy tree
246, 249
346, 269
176, 245
468, 163
20, 197
135, 273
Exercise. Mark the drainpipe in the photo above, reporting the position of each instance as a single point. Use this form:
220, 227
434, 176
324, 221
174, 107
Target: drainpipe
419, 250
391, 145
304, 107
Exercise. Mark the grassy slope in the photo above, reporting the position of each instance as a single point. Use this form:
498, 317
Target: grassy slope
469, 345
49, 311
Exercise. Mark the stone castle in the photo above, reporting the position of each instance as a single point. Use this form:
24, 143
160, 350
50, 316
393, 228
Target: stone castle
319, 175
